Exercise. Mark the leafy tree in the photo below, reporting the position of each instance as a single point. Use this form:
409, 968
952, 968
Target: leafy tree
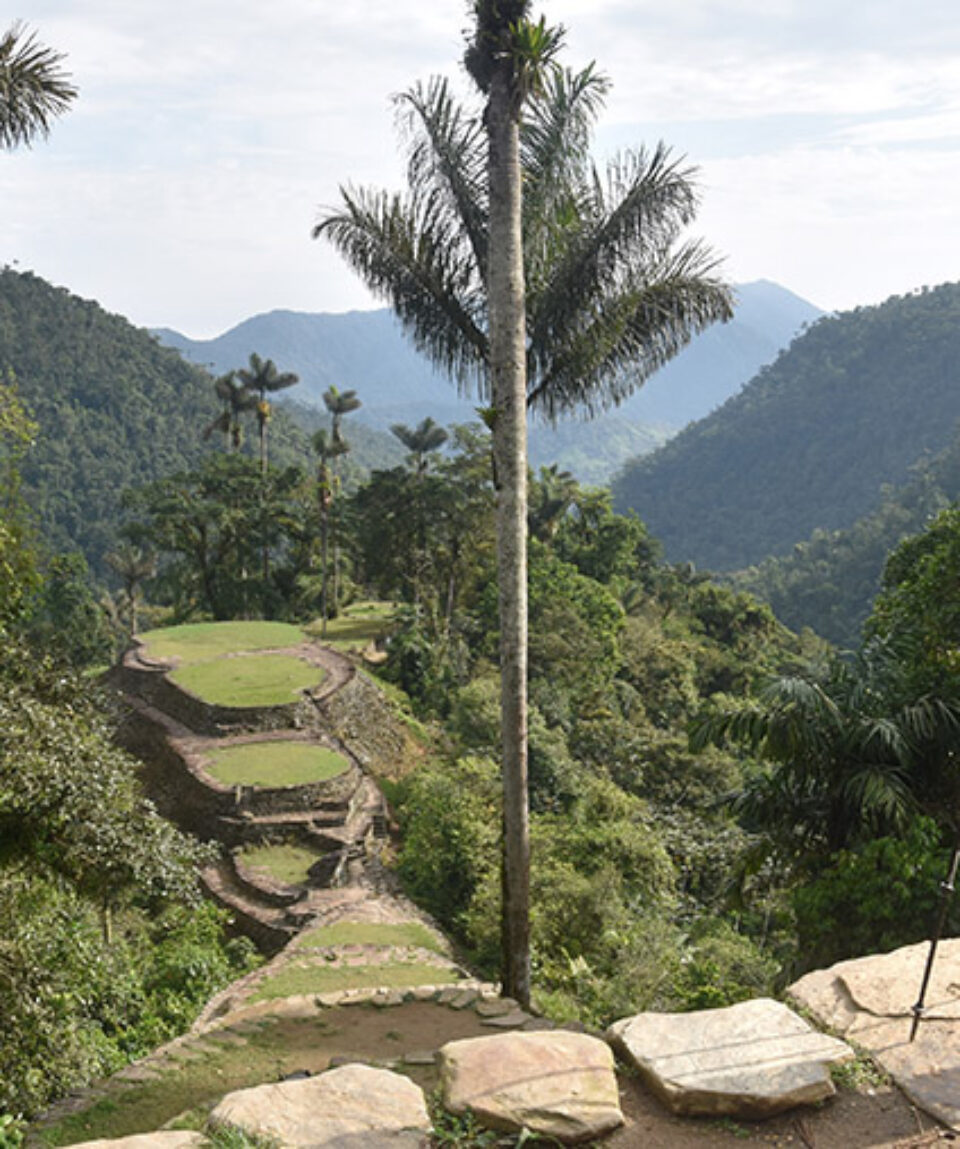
208, 527
33, 88
18, 574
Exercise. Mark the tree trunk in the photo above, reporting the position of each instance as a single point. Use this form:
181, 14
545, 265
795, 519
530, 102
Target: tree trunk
507, 334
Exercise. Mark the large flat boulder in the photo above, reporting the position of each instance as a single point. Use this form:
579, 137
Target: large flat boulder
351, 1107
556, 1084
871, 1000
748, 1060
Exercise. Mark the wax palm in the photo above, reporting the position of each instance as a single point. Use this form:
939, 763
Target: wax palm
569, 301
421, 441
339, 403
329, 447
611, 292
262, 378
237, 399
33, 88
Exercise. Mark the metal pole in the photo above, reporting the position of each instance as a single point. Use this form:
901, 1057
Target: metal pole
946, 890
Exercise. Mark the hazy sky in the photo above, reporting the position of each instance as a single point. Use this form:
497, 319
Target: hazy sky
181, 189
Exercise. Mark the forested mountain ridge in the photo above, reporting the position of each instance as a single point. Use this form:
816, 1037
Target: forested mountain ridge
829, 581
116, 409
810, 442
367, 351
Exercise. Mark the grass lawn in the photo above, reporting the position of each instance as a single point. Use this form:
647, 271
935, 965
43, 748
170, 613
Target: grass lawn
293, 980
373, 933
196, 641
285, 863
248, 680
282, 763
356, 626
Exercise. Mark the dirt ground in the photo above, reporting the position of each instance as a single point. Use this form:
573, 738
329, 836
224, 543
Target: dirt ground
867, 1118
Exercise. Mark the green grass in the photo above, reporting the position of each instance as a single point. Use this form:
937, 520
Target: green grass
286, 863
197, 641
373, 933
248, 680
281, 763
295, 980
356, 626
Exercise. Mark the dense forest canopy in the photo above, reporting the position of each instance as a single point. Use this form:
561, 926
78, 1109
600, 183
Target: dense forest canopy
809, 443
115, 410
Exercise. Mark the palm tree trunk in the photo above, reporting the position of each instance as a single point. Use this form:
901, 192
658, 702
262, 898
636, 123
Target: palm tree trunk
507, 333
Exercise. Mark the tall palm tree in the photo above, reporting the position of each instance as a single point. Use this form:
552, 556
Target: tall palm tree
237, 399
262, 378
566, 296
338, 403
328, 447
33, 88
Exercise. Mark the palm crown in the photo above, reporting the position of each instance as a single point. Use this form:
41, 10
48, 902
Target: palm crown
611, 292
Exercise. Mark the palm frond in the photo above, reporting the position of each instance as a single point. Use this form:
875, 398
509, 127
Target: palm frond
422, 269
446, 161
33, 88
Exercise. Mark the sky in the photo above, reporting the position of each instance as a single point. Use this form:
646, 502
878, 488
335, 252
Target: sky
181, 189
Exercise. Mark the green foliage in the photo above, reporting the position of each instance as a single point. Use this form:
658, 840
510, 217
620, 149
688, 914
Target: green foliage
811, 440
105, 951
873, 899
211, 528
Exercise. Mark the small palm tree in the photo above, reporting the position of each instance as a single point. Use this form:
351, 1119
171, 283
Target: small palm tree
133, 564
262, 378
33, 88
237, 399
421, 441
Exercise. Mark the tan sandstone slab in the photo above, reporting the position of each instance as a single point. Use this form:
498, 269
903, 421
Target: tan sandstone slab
560, 1085
168, 1139
752, 1060
351, 1107
871, 1000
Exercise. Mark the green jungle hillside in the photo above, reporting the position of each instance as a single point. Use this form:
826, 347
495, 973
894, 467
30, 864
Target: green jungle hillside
115, 410
810, 442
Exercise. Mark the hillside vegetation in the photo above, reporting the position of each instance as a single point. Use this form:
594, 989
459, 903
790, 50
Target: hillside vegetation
115, 410
828, 582
809, 443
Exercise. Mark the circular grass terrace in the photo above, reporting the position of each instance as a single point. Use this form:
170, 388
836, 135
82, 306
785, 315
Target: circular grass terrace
222, 664
198, 641
284, 862
274, 764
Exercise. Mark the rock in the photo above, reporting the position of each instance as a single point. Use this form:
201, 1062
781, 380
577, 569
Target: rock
513, 1020
464, 998
871, 999
748, 1060
495, 1006
353, 1107
560, 1085
165, 1139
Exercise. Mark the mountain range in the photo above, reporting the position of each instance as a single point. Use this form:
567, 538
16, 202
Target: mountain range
366, 351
